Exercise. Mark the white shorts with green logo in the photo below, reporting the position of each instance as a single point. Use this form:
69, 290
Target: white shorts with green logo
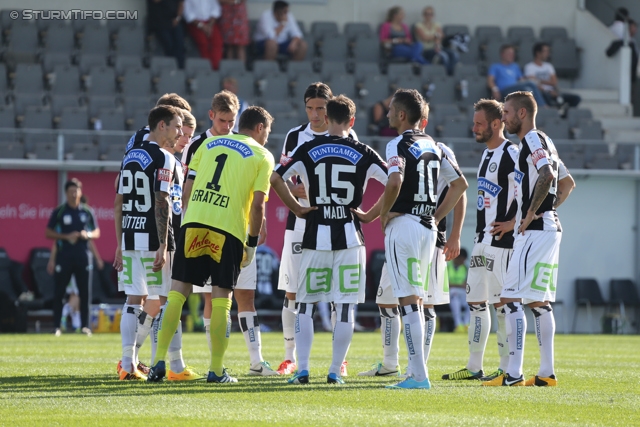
533, 268
409, 248
487, 273
137, 277
332, 276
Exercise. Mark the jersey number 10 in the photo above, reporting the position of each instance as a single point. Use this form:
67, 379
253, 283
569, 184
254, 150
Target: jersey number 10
429, 183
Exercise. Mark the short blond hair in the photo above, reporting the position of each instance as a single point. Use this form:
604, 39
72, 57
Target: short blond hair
225, 102
188, 120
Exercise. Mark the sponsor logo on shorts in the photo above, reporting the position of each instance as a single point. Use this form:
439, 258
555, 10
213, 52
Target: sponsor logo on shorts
318, 280
544, 277
164, 175
296, 248
476, 261
489, 264
380, 291
493, 166
468, 289
202, 242
407, 335
349, 278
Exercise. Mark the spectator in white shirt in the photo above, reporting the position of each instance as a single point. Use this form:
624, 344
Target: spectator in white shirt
618, 26
543, 74
278, 33
201, 17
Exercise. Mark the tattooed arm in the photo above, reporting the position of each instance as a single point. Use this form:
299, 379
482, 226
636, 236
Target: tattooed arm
541, 190
565, 187
163, 210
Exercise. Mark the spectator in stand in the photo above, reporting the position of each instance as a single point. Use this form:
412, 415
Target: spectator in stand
505, 77
396, 38
234, 25
380, 120
278, 33
202, 23
429, 33
615, 46
231, 84
621, 17
164, 19
543, 74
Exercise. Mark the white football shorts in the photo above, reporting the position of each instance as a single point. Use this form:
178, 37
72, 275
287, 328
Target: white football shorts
137, 277
487, 273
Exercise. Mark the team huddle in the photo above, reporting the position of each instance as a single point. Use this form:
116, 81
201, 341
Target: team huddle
190, 212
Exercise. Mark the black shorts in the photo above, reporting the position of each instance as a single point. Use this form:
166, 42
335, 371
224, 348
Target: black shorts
204, 252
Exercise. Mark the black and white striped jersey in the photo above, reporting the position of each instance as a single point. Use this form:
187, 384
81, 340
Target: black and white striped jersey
193, 146
296, 137
138, 138
145, 169
334, 171
496, 193
175, 197
537, 150
421, 161
443, 187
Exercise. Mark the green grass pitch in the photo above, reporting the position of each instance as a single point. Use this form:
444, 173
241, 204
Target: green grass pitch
72, 381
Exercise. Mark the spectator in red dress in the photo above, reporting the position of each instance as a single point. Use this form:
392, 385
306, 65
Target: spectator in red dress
235, 28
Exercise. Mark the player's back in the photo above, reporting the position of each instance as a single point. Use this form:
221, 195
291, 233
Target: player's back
145, 169
227, 170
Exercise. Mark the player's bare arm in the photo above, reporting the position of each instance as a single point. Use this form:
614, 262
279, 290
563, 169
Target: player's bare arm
117, 218
263, 232
186, 192
391, 191
456, 189
543, 185
452, 247
162, 211
565, 187
371, 214
282, 190
297, 189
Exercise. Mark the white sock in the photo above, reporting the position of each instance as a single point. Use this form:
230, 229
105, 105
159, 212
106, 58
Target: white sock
250, 328
157, 322
145, 322
76, 322
304, 334
128, 327
429, 331
326, 315
516, 325
479, 329
333, 315
176, 362
390, 330
207, 331
342, 335
289, 312
501, 335
414, 338
545, 331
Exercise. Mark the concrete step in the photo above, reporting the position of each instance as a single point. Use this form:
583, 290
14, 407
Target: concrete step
624, 135
621, 123
602, 109
596, 95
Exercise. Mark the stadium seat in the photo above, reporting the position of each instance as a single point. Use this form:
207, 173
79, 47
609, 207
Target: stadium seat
50, 60
123, 62
89, 61
296, 67
38, 260
476, 89
171, 81
11, 150
453, 29
37, 118
130, 40
517, 35
374, 88
135, 119
549, 34
587, 295
574, 115
205, 82
334, 47
331, 68
467, 158
442, 90
95, 40
159, 64
115, 143
353, 30
564, 57
24, 42
574, 160
231, 67
97, 103
28, 79
396, 71
408, 82
82, 151
466, 70
429, 72
491, 53
556, 128
320, 29
273, 86
279, 106
65, 79
112, 153
588, 129
112, 119
486, 33
602, 161
525, 52
545, 114
343, 84
59, 38
626, 156
136, 82
59, 102
263, 68
455, 127
283, 123
40, 149
246, 88
74, 118
23, 100
364, 69
472, 56
7, 116
624, 293
302, 81
135, 103
366, 49
192, 65
101, 81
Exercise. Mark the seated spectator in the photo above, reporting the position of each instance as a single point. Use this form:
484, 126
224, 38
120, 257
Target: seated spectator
505, 77
429, 33
396, 38
278, 33
201, 17
380, 120
234, 24
542, 73
164, 19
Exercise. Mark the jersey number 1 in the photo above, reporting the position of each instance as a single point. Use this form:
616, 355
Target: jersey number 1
220, 161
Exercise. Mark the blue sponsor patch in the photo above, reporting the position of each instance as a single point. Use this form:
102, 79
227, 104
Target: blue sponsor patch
518, 176
489, 187
175, 195
244, 150
131, 141
142, 157
334, 150
480, 203
422, 146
